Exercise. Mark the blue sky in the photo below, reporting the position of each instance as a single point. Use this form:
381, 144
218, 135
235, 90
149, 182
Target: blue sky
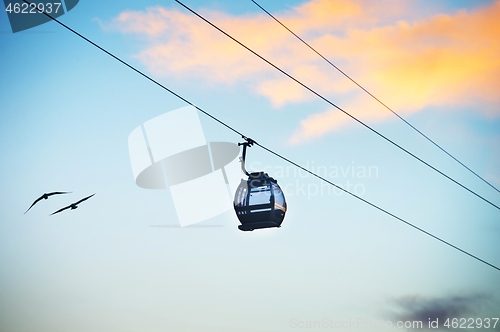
67, 110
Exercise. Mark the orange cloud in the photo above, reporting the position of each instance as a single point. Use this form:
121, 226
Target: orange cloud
448, 59
438, 60
181, 44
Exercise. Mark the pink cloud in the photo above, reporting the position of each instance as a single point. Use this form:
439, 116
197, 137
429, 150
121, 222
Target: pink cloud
437, 60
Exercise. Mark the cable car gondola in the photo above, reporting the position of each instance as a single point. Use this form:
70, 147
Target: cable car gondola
259, 201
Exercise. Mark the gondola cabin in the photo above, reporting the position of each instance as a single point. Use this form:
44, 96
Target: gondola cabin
259, 202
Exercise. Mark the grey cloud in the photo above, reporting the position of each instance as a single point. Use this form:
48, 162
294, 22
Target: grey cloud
417, 308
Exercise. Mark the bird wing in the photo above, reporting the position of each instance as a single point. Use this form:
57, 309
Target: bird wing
64, 208
83, 199
59, 192
38, 200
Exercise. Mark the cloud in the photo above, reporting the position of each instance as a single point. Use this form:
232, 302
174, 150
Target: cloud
408, 61
445, 60
415, 308
181, 45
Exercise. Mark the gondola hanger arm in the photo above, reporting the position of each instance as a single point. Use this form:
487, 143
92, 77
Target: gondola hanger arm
249, 142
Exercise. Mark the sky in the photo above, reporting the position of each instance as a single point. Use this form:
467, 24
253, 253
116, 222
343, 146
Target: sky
121, 262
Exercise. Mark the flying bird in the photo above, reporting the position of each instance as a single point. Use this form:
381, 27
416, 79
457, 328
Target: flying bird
74, 205
46, 196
